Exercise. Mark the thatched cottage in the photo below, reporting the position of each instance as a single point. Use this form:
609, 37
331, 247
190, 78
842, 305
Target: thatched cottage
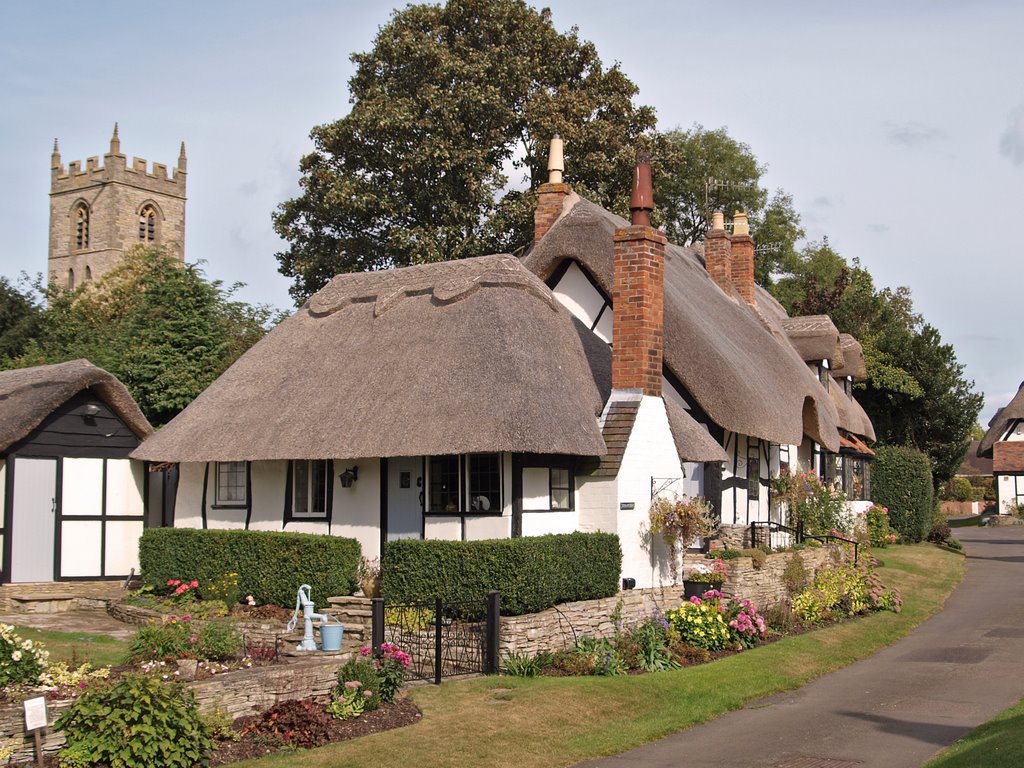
498, 397
1004, 444
73, 503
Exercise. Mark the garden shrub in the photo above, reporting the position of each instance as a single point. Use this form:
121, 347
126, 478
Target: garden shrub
812, 503
940, 531
901, 480
361, 672
532, 573
795, 575
136, 722
844, 590
22, 662
700, 624
270, 564
880, 532
958, 489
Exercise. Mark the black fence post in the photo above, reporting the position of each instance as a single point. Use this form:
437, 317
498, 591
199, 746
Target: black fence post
438, 610
491, 663
377, 623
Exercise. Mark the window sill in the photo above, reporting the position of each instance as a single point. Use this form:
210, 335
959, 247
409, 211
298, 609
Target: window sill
466, 513
545, 511
240, 505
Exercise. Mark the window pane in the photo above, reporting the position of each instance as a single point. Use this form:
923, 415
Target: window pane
753, 473
319, 490
560, 496
485, 482
231, 481
300, 485
444, 484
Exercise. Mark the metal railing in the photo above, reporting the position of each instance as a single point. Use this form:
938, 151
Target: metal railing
443, 638
757, 538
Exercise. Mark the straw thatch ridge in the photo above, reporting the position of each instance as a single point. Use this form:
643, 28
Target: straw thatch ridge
854, 364
745, 377
29, 395
815, 337
457, 357
1001, 422
974, 465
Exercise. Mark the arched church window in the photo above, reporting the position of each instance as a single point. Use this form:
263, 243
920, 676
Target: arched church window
71, 279
81, 227
147, 224
88, 273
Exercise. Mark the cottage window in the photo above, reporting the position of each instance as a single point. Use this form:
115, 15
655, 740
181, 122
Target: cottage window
147, 224
310, 481
231, 483
547, 488
753, 471
461, 484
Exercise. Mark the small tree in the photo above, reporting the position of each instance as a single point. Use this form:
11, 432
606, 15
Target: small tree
901, 480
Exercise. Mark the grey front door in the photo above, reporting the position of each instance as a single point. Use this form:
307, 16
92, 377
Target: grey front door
405, 498
33, 519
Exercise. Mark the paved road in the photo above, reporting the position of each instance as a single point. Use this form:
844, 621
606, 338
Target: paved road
895, 709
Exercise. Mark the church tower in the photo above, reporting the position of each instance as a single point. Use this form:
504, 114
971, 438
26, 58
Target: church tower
100, 212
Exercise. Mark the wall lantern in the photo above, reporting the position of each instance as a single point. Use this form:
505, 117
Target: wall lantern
349, 476
629, 583
89, 413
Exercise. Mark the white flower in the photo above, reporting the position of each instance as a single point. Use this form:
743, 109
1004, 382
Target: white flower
16, 655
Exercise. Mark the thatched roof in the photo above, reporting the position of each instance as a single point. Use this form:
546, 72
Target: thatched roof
852, 417
974, 465
745, 377
693, 442
29, 395
854, 364
456, 357
815, 337
1001, 422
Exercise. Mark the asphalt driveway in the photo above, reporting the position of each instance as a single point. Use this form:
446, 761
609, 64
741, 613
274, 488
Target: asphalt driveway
895, 709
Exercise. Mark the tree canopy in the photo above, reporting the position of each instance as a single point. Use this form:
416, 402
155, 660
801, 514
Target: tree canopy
450, 99
156, 324
20, 315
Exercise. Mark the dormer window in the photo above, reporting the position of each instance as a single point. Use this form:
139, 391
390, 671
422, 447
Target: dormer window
81, 219
147, 224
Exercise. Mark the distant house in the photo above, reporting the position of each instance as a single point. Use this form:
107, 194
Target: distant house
73, 502
497, 397
1004, 444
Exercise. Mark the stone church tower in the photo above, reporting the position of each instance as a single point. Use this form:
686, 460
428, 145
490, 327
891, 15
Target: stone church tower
99, 212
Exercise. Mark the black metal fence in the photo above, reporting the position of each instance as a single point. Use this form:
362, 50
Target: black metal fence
444, 638
761, 535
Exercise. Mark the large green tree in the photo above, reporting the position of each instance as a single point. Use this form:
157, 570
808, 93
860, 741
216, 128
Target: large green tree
159, 326
20, 314
916, 393
449, 100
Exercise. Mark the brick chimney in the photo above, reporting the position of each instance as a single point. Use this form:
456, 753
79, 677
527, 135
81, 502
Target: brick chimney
551, 195
638, 293
718, 253
743, 258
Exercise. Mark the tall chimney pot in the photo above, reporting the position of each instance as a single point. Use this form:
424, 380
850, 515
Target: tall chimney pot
641, 202
551, 195
556, 160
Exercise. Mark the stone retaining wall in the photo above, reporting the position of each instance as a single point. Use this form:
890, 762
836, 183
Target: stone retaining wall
245, 692
54, 596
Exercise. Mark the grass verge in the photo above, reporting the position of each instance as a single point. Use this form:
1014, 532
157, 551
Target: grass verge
76, 647
1000, 741
549, 722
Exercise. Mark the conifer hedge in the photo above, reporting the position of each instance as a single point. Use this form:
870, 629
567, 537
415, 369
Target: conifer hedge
901, 479
532, 573
270, 565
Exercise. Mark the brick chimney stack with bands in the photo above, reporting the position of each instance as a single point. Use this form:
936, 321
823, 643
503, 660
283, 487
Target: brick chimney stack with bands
718, 253
743, 258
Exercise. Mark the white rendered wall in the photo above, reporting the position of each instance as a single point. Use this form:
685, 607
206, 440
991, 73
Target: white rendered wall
597, 503
188, 504
737, 509
1017, 434
650, 453
541, 523
1009, 491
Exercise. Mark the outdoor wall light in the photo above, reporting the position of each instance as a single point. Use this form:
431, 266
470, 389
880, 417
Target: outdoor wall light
349, 476
89, 413
629, 583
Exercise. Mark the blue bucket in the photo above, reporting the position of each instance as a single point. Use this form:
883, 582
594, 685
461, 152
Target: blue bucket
330, 636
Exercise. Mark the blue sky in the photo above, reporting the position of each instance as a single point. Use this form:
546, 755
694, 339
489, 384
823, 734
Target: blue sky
897, 127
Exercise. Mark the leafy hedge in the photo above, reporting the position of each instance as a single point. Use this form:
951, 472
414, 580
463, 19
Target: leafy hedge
901, 479
532, 573
270, 565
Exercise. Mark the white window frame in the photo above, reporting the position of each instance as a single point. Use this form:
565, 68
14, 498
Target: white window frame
308, 495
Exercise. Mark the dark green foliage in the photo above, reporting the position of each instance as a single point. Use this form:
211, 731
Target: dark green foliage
270, 565
940, 531
450, 93
363, 671
20, 315
156, 324
901, 480
531, 573
958, 489
136, 722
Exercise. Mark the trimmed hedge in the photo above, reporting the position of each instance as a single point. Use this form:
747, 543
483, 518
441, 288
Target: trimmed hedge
532, 573
270, 565
901, 479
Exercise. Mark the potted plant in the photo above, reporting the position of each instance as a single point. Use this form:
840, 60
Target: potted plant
368, 576
704, 576
680, 521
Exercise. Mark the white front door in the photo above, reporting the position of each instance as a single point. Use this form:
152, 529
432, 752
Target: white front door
33, 519
405, 498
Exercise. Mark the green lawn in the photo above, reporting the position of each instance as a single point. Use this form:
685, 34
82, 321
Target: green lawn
76, 647
1000, 741
560, 721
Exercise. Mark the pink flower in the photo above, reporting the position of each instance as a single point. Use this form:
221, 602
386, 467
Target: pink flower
353, 684
367, 694
194, 583
364, 651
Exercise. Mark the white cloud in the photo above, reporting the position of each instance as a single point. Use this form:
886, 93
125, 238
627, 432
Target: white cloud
1011, 143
